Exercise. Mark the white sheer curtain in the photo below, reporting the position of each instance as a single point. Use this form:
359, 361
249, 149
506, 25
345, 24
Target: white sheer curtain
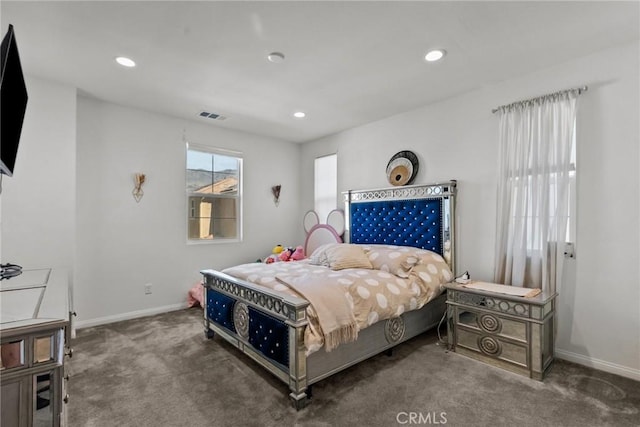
534, 164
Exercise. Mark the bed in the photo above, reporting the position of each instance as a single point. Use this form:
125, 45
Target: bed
268, 319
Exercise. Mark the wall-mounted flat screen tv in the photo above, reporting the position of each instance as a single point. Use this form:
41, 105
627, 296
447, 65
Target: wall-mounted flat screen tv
13, 102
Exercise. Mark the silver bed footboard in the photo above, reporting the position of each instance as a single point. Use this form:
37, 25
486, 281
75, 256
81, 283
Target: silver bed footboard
265, 325
269, 327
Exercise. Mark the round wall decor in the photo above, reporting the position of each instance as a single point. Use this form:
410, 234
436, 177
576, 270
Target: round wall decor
402, 168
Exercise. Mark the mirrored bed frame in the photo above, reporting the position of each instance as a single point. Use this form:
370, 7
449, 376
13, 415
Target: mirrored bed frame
421, 216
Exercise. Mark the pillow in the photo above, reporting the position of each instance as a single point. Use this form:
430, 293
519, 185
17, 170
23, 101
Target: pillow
319, 256
396, 260
426, 256
432, 271
346, 255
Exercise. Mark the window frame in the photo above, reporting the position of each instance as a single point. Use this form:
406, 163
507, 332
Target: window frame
239, 198
316, 186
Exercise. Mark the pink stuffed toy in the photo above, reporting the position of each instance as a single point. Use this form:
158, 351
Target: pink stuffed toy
298, 254
284, 255
287, 254
271, 259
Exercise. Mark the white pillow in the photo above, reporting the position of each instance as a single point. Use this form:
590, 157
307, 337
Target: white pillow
346, 255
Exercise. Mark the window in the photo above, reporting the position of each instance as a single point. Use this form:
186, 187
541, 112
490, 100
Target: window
536, 174
533, 216
572, 211
214, 189
325, 185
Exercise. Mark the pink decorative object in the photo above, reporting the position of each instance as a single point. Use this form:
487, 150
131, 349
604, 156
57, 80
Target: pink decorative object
298, 254
320, 234
285, 255
196, 295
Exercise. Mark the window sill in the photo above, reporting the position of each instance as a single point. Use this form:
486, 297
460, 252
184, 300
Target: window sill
212, 241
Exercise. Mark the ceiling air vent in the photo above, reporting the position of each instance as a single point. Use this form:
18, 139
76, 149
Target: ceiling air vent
212, 116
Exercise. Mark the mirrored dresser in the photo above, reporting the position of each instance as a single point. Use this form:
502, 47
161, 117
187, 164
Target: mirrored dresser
512, 332
34, 338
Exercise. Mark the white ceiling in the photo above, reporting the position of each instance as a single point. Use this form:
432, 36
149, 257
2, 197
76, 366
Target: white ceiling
347, 63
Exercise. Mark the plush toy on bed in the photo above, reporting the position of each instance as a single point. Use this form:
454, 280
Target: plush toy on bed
298, 254
281, 253
291, 254
285, 254
275, 254
271, 258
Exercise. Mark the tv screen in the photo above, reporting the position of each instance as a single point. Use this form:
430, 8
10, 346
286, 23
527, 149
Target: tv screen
13, 102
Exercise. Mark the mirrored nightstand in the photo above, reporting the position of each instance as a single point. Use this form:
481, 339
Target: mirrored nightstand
511, 332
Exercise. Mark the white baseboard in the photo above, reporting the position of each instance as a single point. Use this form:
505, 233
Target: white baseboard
126, 316
601, 365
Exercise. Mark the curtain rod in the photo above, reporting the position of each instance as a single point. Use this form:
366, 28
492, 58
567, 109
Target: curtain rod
539, 98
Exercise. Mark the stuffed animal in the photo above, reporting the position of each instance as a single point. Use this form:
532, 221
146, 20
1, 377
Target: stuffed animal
275, 255
285, 255
298, 254
271, 259
281, 253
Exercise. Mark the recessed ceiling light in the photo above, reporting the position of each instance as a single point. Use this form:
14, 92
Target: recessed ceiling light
275, 57
435, 55
299, 114
125, 62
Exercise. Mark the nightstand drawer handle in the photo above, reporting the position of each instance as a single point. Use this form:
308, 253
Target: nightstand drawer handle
489, 346
490, 323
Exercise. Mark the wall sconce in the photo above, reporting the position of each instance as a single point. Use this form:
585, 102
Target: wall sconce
275, 190
138, 180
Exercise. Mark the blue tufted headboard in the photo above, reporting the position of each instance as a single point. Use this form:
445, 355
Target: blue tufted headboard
421, 216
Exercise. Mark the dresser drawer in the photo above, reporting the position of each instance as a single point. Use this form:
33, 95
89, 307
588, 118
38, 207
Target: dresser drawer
489, 323
524, 308
493, 347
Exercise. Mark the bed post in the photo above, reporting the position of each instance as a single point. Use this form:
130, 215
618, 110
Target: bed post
347, 216
298, 365
451, 221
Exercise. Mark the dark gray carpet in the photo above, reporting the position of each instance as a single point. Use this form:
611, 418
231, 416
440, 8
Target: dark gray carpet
161, 371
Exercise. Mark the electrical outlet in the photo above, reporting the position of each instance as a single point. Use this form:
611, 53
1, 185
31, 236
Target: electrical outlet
147, 289
569, 250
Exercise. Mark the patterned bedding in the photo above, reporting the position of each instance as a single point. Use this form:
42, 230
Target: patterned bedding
394, 280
